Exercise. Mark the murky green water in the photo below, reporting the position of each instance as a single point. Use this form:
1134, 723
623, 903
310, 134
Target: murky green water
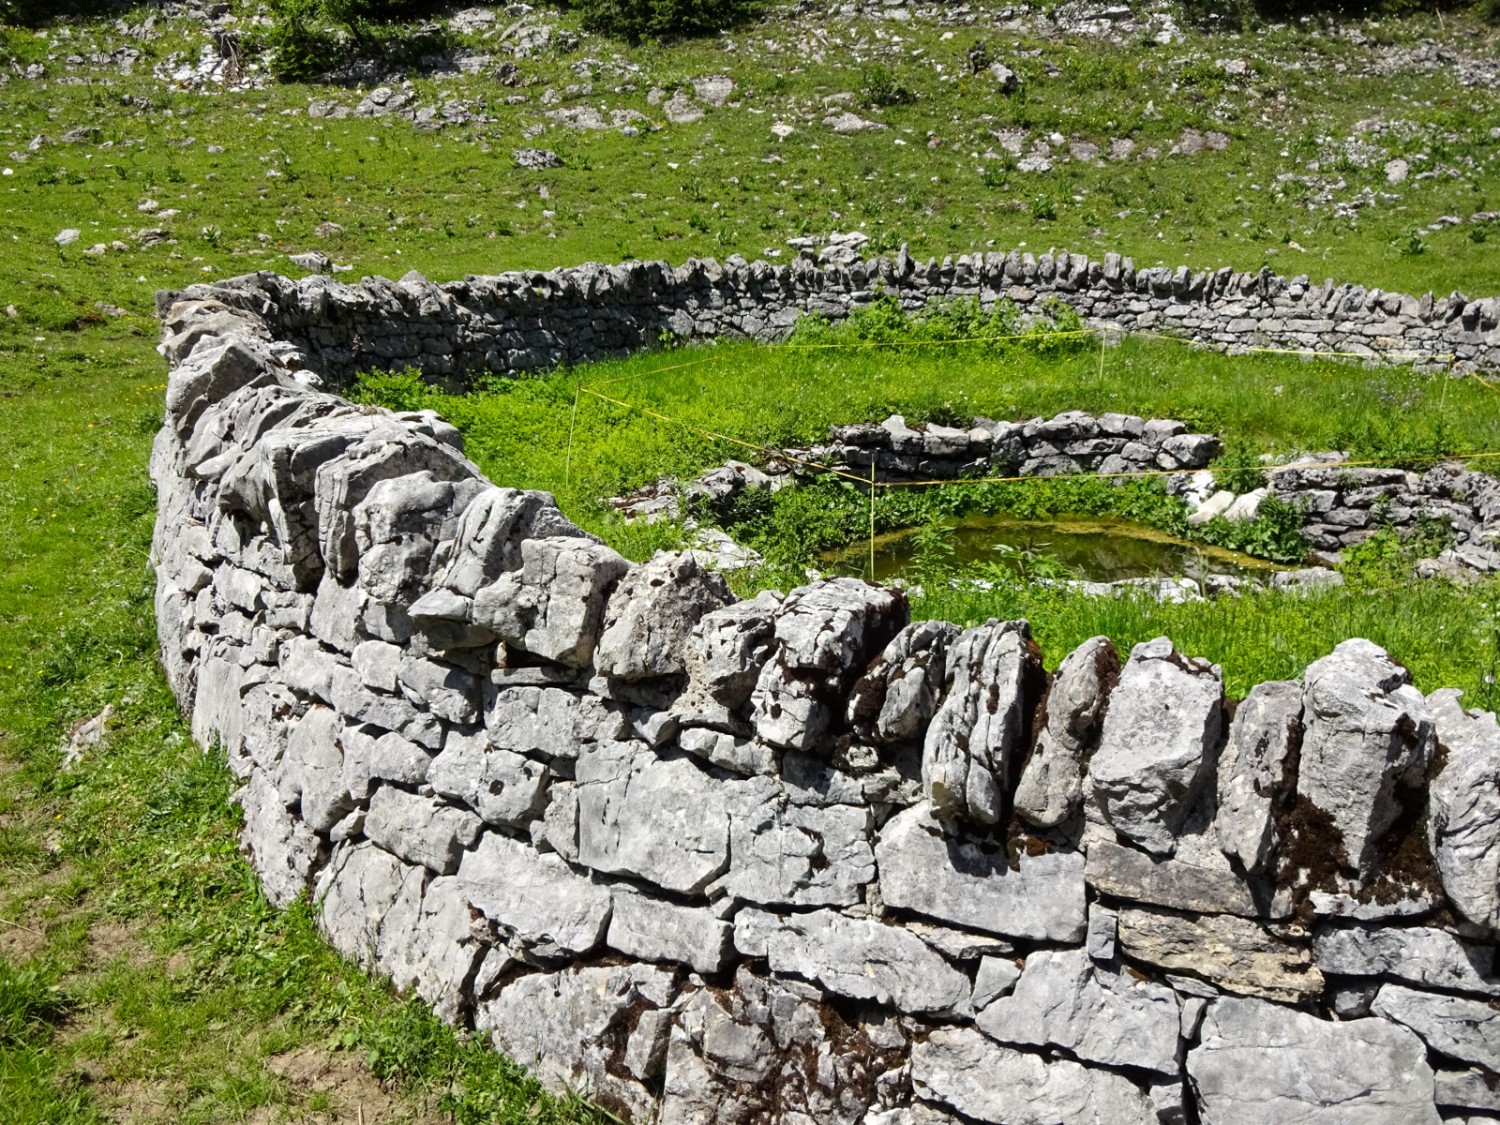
1098, 549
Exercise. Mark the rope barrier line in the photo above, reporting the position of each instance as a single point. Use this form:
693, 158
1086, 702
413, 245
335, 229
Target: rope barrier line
873, 484
1483, 382
1186, 472
1102, 333
714, 435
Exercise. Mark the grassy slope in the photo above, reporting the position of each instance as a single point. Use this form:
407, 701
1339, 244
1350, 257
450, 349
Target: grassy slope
140, 976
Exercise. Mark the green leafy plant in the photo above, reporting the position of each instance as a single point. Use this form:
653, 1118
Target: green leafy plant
635, 20
880, 86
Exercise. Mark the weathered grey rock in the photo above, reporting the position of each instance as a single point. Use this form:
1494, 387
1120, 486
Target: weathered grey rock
1257, 1062
781, 853
439, 955
1236, 954
984, 1081
368, 901
865, 960
1138, 877
1467, 1089
1451, 1025
897, 697
742, 755
657, 930
553, 606
397, 527
727, 649
1064, 999
487, 542
311, 774
372, 756
423, 830
1369, 739
503, 787
284, 852
996, 977
1264, 739
450, 693
826, 634
652, 614
1422, 955
664, 821
1051, 785
923, 870
1102, 941
573, 1029
550, 721
1158, 744
536, 903
973, 745
1463, 827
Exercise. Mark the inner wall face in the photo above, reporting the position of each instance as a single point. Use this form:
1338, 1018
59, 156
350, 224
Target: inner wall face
794, 858
526, 321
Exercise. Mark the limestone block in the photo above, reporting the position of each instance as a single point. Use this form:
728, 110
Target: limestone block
551, 721
923, 870
800, 855
422, 830
962, 1069
1422, 955
553, 606
1139, 877
1235, 953
397, 527
450, 693
283, 851
741, 755
1051, 785
1369, 738
664, 821
372, 755
536, 904
1450, 1025
367, 901
1257, 1062
657, 930
897, 697
1064, 999
996, 977
487, 541
1463, 827
727, 649
504, 788
652, 613
1157, 745
1254, 771
311, 772
972, 748
865, 960
572, 1028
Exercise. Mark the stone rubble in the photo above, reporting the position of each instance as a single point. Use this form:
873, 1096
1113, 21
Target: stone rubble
794, 858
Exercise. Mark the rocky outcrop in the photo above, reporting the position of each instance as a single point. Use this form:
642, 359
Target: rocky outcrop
796, 858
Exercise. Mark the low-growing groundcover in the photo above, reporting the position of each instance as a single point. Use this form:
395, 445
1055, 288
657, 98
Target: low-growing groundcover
143, 977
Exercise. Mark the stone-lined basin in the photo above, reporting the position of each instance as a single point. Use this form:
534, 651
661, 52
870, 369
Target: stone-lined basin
1093, 548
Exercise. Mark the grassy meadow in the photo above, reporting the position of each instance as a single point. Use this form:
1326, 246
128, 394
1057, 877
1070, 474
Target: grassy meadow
142, 977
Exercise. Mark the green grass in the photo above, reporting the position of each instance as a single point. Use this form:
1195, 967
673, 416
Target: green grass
147, 974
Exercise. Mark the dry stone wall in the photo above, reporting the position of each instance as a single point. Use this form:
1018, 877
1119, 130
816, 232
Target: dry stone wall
528, 320
799, 859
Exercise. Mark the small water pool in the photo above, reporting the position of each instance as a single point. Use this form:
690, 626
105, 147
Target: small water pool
1093, 548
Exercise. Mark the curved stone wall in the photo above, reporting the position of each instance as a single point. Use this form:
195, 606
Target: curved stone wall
797, 859
529, 320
